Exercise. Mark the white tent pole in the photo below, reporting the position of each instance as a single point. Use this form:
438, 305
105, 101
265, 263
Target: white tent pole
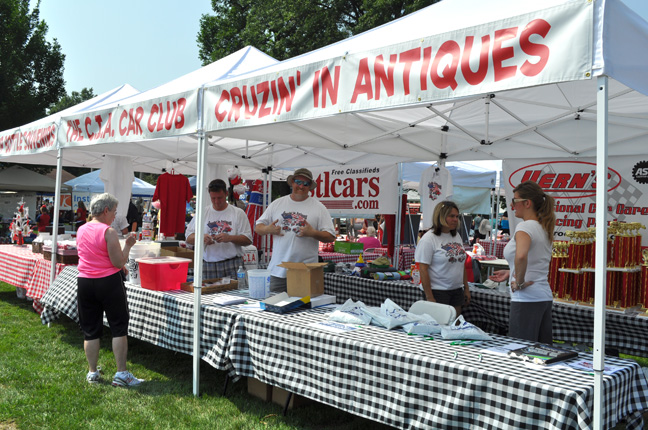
399, 215
57, 204
198, 248
601, 246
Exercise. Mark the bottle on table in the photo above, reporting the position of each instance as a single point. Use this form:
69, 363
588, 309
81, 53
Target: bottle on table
241, 277
147, 227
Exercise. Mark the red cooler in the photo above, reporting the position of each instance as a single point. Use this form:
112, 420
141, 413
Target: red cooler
163, 273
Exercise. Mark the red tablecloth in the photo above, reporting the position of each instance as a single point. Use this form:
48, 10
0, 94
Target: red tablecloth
20, 267
499, 247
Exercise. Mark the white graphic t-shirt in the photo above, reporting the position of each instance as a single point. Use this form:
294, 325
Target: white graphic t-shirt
434, 187
231, 220
291, 216
446, 257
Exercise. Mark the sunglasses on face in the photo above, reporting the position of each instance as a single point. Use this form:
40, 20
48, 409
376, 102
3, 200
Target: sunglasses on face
302, 183
514, 201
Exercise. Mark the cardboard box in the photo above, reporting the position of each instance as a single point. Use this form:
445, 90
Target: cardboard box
259, 389
304, 279
176, 251
348, 247
279, 396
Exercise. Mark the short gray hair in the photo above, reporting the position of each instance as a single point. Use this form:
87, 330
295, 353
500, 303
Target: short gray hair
102, 202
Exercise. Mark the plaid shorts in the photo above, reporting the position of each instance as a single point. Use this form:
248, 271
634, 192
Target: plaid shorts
221, 269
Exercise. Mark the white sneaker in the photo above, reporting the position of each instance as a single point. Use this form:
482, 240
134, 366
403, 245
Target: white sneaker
94, 377
125, 379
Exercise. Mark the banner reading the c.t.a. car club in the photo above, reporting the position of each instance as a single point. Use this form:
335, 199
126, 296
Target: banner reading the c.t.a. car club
357, 190
572, 183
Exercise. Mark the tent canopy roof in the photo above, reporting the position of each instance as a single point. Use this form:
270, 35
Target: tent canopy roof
16, 178
91, 182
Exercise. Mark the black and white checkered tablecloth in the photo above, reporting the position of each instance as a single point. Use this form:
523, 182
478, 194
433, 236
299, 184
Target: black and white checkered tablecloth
392, 378
571, 323
162, 318
371, 292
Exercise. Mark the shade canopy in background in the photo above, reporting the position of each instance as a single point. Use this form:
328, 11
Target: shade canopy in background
92, 183
16, 178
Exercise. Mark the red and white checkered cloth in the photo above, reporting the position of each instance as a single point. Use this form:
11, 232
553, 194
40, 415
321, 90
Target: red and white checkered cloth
20, 267
499, 247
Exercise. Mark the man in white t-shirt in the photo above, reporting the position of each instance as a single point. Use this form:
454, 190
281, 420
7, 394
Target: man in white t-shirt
120, 224
298, 222
227, 230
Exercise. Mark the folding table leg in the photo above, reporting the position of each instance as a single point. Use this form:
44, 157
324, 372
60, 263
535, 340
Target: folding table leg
226, 382
287, 403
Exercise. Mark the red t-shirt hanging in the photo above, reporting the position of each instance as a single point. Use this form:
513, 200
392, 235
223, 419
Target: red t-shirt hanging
174, 192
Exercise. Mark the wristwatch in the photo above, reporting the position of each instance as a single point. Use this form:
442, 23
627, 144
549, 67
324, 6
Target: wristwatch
521, 285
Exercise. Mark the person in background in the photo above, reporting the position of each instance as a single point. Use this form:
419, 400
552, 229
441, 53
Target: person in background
504, 223
485, 227
43, 220
227, 230
132, 216
81, 215
441, 259
476, 234
528, 254
298, 222
100, 289
370, 240
120, 224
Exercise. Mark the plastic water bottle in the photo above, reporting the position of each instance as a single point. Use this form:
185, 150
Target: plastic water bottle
147, 227
242, 279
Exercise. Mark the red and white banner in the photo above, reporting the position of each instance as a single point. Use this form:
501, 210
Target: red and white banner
548, 46
174, 115
573, 184
28, 140
357, 190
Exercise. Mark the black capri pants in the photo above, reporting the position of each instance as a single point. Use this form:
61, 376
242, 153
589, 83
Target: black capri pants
98, 295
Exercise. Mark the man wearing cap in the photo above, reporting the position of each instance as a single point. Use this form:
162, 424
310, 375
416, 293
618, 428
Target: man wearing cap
298, 222
227, 229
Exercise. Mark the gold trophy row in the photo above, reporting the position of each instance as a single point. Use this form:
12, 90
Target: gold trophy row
572, 265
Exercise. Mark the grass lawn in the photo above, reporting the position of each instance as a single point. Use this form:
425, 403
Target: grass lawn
42, 385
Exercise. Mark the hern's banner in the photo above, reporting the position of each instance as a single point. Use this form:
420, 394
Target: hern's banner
573, 184
357, 190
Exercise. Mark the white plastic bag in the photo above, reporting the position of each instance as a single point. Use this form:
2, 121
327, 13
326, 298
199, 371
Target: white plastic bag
425, 325
461, 329
351, 313
390, 315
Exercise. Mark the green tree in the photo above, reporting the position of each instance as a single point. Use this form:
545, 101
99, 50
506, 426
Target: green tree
287, 28
72, 100
31, 68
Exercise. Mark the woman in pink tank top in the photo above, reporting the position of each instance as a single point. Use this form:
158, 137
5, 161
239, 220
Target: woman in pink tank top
100, 288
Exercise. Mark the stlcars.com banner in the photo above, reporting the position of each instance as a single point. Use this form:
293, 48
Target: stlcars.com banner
573, 184
162, 117
548, 46
357, 190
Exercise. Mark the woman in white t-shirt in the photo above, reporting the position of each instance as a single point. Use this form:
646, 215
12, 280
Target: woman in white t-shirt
441, 258
528, 254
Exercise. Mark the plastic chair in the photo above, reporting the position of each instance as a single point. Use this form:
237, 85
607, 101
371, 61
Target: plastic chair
443, 314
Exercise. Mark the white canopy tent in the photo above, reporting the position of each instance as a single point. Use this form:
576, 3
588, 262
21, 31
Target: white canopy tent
414, 88
91, 182
530, 94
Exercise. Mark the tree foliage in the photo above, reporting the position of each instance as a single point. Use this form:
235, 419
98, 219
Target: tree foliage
287, 28
72, 100
31, 68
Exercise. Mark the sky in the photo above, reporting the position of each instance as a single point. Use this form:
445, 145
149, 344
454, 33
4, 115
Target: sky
143, 43
107, 44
